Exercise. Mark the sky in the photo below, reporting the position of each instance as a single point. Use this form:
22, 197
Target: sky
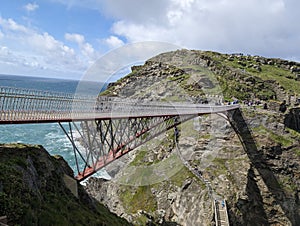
64, 38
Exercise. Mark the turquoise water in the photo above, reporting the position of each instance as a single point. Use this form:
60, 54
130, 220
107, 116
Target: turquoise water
49, 135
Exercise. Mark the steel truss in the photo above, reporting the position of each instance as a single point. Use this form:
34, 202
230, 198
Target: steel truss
106, 140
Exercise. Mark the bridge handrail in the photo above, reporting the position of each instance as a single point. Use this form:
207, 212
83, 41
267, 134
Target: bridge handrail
33, 92
21, 104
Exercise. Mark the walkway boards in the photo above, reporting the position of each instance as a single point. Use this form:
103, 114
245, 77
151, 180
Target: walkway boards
221, 214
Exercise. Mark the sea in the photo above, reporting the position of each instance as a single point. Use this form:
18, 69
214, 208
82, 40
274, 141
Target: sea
49, 135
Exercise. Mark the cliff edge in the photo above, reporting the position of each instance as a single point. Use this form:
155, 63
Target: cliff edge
33, 191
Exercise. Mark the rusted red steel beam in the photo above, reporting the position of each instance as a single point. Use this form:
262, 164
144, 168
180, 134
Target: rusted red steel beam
111, 156
116, 153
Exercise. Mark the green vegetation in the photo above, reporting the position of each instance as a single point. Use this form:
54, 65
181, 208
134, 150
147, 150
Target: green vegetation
139, 158
243, 77
297, 151
33, 193
294, 134
181, 176
179, 78
107, 92
188, 130
142, 220
138, 198
284, 77
141, 197
287, 184
219, 166
283, 140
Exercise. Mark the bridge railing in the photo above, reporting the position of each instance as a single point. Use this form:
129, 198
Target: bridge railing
18, 103
34, 105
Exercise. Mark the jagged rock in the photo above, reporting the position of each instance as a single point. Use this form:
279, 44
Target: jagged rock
260, 183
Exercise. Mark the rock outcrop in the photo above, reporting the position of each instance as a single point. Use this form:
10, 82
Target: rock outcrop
256, 170
292, 119
33, 191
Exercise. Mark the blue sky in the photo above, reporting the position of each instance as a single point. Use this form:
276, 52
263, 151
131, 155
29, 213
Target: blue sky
64, 38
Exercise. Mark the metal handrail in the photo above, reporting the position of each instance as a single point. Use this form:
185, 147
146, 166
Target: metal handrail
27, 105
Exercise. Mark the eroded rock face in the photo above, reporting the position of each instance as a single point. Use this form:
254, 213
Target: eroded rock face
260, 182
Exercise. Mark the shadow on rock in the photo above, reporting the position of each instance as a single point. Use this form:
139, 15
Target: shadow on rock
259, 163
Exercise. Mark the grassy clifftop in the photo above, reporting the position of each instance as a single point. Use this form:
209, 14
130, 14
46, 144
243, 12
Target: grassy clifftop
233, 75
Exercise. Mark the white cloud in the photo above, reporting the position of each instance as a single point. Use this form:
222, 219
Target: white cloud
29, 49
78, 38
264, 27
11, 26
4, 51
86, 48
30, 7
114, 42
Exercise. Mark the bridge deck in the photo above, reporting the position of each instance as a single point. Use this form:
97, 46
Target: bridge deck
31, 106
110, 127
21, 117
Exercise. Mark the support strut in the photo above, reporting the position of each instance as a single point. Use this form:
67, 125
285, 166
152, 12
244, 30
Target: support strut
106, 140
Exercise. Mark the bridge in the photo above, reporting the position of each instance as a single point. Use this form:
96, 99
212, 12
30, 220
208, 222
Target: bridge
109, 127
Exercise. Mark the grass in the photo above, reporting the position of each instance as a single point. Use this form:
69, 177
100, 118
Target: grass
220, 166
202, 72
153, 173
173, 98
138, 198
270, 72
142, 220
297, 151
179, 178
284, 140
294, 134
179, 78
139, 157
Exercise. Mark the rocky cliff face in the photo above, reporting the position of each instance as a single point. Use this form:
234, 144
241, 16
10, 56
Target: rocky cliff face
256, 170
292, 119
33, 191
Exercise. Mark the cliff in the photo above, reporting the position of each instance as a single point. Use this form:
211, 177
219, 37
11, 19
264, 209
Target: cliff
33, 191
256, 170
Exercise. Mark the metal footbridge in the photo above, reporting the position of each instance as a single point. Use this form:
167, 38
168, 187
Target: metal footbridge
108, 127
